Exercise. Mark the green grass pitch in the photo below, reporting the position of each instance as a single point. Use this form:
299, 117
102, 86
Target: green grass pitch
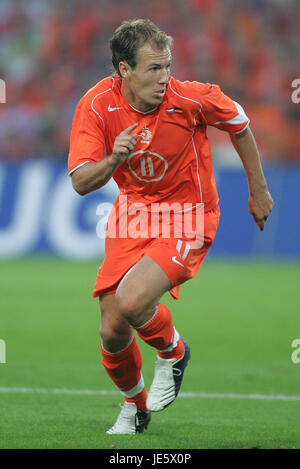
240, 319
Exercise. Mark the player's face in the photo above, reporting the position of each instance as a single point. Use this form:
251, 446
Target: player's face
144, 86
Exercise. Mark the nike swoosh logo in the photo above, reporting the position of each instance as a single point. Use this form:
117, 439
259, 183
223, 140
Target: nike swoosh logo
113, 108
177, 262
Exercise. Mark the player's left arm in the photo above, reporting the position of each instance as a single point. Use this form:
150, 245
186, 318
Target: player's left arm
260, 201
220, 111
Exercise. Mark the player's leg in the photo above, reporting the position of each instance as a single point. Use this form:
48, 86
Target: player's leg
138, 298
180, 263
122, 360
115, 331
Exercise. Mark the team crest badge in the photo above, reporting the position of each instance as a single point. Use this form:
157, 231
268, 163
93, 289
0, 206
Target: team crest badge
146, 135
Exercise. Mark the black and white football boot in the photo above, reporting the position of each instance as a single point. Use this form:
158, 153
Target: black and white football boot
130, 420
168, 375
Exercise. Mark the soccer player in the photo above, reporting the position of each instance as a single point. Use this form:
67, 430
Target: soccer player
147, 130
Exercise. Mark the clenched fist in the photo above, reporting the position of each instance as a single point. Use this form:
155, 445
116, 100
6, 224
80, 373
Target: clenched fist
260, 206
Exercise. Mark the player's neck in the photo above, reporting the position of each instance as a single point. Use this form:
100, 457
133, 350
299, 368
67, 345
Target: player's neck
135, 102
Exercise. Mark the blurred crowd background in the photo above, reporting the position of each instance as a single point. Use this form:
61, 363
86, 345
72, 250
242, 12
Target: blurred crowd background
51, 52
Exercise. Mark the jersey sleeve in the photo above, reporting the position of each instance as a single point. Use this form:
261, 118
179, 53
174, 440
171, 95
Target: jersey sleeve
87, 140
222, 112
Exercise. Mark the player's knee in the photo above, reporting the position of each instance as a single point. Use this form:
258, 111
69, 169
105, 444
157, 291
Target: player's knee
114, 337
114, 330
129, 306
134, 309
113, 327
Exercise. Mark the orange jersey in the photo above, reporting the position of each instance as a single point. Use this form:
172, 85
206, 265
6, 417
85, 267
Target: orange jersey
171, 161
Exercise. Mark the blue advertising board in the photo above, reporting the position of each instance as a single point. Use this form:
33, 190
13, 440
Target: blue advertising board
41, 213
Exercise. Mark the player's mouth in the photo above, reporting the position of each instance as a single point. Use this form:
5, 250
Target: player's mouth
160, 93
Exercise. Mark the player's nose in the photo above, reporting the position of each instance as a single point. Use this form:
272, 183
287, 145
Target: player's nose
164, 76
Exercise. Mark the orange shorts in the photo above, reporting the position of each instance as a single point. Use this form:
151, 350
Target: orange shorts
171, 254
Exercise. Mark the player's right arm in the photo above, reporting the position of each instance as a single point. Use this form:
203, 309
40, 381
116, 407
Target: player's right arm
93, 175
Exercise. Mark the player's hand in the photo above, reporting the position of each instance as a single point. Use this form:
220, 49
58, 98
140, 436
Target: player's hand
260, 206
124, 144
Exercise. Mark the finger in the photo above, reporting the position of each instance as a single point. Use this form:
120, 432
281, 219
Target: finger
128, 139
129, 129
123, 151
130, 147
261, 224
127, 143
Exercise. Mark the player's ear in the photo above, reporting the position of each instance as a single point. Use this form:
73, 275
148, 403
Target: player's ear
124, 69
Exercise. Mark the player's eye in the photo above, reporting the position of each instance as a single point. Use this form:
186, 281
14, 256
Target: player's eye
158, 67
